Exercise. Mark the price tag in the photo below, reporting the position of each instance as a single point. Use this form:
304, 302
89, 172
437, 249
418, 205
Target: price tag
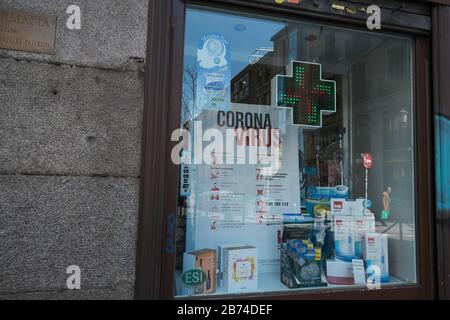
359, 275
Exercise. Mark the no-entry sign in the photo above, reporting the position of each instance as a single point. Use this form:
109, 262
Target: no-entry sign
367, 160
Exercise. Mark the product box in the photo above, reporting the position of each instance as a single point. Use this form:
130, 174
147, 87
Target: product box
301, 264
340, 272
344, 237
376, 255
240, 269
349, 207
204, 260
363, 225
311, 204
221, 263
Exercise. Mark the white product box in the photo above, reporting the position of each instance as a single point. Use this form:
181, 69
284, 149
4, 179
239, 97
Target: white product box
362, 224
359, 271
348, 207
376, 255
344, 237
220, 264
340, 272
338, 206
240, 269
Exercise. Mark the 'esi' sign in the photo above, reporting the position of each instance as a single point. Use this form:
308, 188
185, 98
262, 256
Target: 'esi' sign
194, 277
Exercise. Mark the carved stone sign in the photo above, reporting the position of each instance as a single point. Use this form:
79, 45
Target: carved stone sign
27, 31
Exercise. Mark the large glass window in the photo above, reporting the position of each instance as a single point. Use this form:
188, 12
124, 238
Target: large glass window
297, 165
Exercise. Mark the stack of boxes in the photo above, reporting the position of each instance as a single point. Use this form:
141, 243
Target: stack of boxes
233, 270
305, 253
301, 259
355, 238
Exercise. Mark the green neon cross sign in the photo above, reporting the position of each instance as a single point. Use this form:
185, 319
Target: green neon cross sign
307, 94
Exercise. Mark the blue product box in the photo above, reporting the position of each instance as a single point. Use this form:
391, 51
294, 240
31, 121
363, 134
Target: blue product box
323, 195
326, 193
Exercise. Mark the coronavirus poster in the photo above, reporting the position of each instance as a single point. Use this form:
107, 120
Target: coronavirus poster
248, 182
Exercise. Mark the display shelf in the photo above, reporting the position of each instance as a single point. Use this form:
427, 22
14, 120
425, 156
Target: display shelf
270, 282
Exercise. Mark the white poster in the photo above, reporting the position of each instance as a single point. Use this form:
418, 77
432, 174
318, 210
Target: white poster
234, 201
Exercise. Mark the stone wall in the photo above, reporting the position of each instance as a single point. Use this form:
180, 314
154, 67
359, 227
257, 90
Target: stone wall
70, 153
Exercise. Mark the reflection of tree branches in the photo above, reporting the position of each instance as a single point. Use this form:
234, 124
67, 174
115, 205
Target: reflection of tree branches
189, 96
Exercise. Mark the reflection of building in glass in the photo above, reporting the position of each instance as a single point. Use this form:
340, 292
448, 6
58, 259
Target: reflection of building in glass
252, 84
373, 99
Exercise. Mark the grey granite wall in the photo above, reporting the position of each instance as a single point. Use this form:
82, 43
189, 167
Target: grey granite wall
70, 153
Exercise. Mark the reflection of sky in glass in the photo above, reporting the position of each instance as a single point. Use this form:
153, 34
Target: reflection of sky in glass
257, 34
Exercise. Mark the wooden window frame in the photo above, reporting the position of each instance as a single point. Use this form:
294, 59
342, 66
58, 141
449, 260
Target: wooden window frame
155, 259
441, 98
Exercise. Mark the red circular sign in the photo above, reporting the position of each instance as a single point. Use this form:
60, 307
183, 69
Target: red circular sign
367, 160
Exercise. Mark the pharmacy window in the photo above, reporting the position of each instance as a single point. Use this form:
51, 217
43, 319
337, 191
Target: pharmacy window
299, 171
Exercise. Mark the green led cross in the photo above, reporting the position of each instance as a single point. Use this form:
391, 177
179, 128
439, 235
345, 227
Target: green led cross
307, 94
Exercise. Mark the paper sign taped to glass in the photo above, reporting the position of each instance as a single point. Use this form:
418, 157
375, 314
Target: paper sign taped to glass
232, 200
214, 72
